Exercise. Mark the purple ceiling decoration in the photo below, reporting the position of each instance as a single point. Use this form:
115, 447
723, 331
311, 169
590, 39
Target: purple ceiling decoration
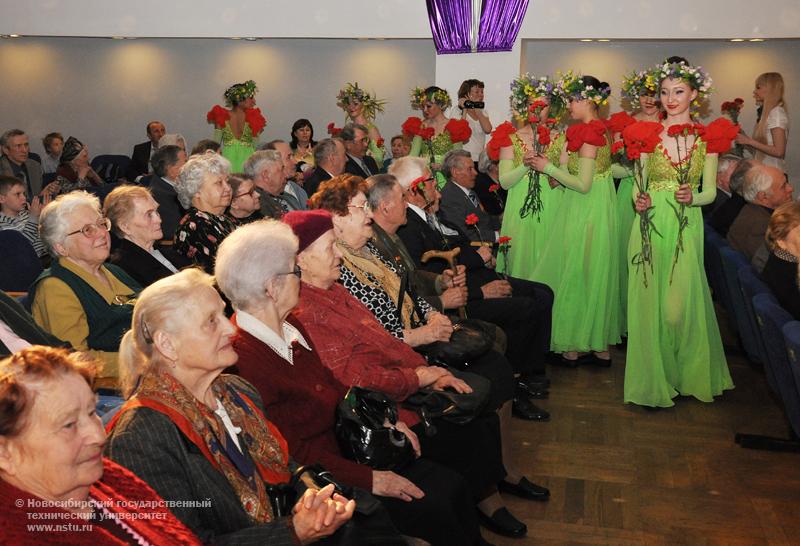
500, 24
451, 23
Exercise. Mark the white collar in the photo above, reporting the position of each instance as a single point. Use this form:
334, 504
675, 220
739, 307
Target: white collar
462, 188
419, 211
263, 333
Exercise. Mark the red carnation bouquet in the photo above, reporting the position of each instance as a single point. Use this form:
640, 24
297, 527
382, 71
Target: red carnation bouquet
333, 130
732, 108
639, 138
541, 127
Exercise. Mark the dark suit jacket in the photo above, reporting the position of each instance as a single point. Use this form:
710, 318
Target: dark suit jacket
747, 232
150, 445
722, 218
719, 200
311, 185
781, 277
21, 323
169, 207
142, 266
34, 169
454, 208
353, 168
493, 202
140, 160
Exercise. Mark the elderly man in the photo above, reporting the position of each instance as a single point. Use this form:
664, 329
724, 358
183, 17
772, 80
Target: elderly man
460, 201
142, 156
725, 167
765, 189
266, 169
167, 163
356, 142
330, 158
724, 215
289, 170
521, 308
15, 162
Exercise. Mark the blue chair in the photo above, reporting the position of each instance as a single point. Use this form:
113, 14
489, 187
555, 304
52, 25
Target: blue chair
791, 335
732, 262
752, 286
111, 167
716, 279
771, 319
21, 265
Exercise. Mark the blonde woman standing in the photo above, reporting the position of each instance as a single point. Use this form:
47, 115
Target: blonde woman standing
771, 134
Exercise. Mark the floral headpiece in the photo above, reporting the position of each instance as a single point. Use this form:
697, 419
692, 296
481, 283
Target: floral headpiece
571, 87
528, 87
419, 97
639, 84
695, 76
238, 92
353, 93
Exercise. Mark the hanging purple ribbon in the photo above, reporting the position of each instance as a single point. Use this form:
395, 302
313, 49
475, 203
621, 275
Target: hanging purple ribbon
500, 24
451, 22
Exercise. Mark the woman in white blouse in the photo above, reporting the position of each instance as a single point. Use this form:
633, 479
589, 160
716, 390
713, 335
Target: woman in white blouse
470, 105
771, 133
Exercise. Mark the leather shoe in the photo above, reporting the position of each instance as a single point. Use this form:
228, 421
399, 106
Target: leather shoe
525, 489
594, 360
525, 409
533, 384
523, 390
503, 523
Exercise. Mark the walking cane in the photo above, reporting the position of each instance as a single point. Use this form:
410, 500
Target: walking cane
450, 257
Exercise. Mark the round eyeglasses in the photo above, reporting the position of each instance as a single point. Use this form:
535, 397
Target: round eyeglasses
91, 230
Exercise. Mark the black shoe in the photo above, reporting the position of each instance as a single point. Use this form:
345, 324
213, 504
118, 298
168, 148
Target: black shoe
503, 523
532, 383
567, 363
525, 409
525, 489
523, 390
595, 360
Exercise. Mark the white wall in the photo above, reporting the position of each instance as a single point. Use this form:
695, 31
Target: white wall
394, 18
105, 91
732, 66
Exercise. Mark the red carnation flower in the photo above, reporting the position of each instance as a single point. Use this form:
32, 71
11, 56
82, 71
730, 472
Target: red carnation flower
459, 130
379, 143
427, 133
617, 122
471, 219
503, 240
533, 119
537, 105
641, 137
544, 134
719, 136
738, 101
551, 121
494, 188
617, 146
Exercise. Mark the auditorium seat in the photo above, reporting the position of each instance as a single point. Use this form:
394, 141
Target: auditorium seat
732, 262
111, 167
21, 264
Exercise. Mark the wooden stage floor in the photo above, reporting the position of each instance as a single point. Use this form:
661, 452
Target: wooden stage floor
622, 475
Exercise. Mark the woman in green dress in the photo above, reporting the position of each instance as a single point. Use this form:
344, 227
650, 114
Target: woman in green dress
437, 134
674, 346
361, 107
237, 128
580, 261
529, 229
638, 93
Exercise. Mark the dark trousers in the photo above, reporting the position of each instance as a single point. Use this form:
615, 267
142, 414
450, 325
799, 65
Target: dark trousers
445, 516
497, 369
526, 318
472, 449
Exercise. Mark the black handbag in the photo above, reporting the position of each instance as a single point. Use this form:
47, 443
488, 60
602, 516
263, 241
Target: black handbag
448, 404
362, 417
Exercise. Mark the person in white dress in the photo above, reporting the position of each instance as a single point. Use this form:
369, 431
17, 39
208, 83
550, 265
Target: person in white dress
470, 107
771, 134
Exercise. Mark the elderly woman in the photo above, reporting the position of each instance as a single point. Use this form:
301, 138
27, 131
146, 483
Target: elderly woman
245, 200
781, 273
74, 171
52, 465
204, 191
79, 299
256, 270
173, 139
135, 221
199, 437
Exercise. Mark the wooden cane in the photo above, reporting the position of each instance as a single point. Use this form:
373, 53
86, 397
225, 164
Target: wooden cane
450, 257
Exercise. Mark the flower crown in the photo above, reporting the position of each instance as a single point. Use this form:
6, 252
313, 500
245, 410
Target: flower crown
571, 87
639, 84
353, 93
238, 92
419, 97
526, 87
695, 76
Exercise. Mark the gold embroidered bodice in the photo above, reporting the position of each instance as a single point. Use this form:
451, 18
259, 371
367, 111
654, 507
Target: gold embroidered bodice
662, 174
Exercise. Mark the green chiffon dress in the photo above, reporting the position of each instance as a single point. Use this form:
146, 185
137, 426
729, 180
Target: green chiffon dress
674, 345
236, 150
580, 260
626, 214
529, 235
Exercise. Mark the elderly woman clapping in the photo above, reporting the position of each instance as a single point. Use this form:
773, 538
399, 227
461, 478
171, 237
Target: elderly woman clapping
204, 191
135, 221
52, 465
257, 271
79, 299
199, 437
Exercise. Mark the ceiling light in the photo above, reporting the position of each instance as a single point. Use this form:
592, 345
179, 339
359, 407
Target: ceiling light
251, 39
603, 40
235, 38
13, 35
586, 40
737, 39
117, 37
756, 39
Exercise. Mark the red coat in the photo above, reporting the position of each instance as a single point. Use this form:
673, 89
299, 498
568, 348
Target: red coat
300, 399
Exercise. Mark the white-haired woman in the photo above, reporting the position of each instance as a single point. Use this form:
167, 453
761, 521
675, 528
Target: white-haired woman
199, 437
256, 268
173, 139
80, 299
204, 191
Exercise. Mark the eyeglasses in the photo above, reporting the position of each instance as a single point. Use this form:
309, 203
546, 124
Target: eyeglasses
364, 207
296, 271
91, 230
251, 193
